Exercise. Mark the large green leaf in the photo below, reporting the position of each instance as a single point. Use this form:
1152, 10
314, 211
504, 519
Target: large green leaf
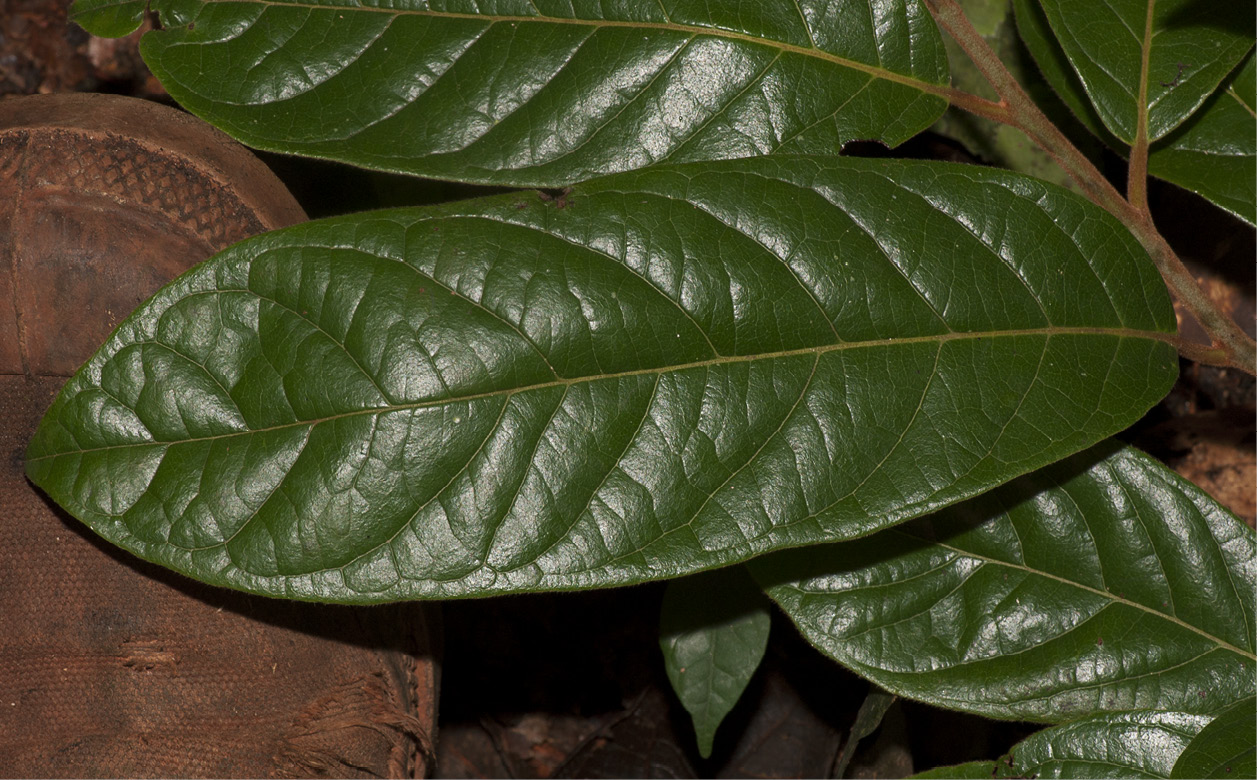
1104, 582
1182, 48
659, 372
1227, 747
713, 630
1213, 153
1127, 744
547, 92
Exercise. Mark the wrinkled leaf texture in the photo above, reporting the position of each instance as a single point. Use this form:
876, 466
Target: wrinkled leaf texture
1213, 153
1127, 744
713, 630
545, 92
661, 372
1104, 582
1183, 48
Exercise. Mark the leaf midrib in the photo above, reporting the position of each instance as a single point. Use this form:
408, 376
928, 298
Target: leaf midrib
1145, 65
939, 90
939, 339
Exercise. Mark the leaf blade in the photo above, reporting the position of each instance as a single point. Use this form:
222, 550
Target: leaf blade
713, 630
110, 18
1154, 612
1224, 748
1186, 50
547, 94
500, 384
1210, 154
867, 720
1127, 744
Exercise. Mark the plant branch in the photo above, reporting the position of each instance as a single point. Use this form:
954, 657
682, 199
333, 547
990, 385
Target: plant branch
1018, 110
1022, 112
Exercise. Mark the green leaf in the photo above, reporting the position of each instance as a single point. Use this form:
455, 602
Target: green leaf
972, 770
872, 710
1104, 582
549, 92
1126, 744
1227, 747
109, 18
1182, 49
656, 373
713, 631
1213, 153
1036, 34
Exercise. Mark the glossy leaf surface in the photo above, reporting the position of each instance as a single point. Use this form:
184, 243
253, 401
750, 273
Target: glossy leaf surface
1227, 747
1129, 744
656, 373
548, 92
1182, 49
1104, 582
1214, 153
713, 631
